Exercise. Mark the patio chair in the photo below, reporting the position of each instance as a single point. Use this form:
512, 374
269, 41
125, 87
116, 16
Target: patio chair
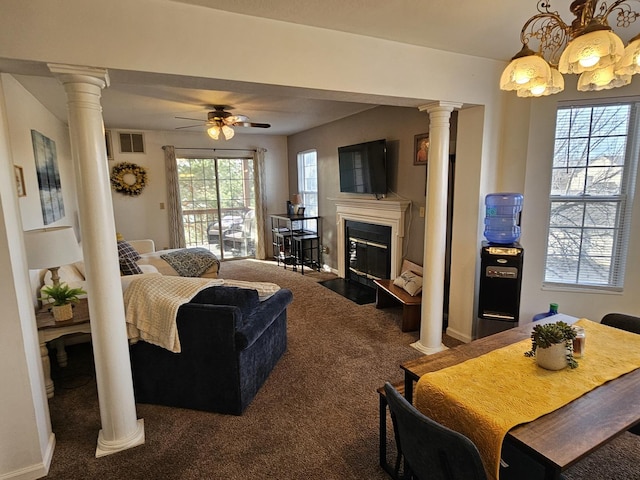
242, 239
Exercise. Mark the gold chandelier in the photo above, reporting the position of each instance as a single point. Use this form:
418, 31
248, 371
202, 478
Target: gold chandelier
588, 47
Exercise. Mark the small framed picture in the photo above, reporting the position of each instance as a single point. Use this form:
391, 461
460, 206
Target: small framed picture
421, 149
22, 191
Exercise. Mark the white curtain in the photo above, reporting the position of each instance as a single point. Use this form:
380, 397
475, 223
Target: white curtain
260, 192
176, 227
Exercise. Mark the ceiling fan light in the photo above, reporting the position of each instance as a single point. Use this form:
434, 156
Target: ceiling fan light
214, 132
523, 72
228, 132
591, 51
602, 79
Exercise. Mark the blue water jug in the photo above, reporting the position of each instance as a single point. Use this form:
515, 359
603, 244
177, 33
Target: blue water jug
502, 220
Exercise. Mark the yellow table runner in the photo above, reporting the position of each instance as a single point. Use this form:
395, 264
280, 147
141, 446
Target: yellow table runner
485, 397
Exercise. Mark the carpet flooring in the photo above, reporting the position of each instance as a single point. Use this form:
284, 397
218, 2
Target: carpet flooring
316, 417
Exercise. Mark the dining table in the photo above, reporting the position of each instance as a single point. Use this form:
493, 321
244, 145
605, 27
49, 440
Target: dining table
564, 431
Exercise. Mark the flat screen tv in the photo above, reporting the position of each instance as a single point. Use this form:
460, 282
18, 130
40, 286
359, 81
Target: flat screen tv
363, 167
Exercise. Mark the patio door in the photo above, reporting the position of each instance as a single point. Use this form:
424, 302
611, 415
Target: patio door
218, 205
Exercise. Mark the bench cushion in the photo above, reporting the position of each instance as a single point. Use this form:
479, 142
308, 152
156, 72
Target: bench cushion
411, 282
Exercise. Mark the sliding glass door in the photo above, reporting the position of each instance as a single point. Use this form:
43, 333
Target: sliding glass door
218, 205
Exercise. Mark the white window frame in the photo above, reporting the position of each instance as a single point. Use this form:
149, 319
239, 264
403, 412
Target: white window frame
624, 201
309, 196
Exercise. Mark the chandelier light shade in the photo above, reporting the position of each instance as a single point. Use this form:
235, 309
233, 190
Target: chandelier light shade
590, 51
602, 79
542, 89
587, 46
629, 64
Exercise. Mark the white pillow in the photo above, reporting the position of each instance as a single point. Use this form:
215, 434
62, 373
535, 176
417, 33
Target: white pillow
411, 282
68, 274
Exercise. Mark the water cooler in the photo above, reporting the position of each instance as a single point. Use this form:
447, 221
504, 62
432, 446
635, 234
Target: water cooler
500, 283
501, 260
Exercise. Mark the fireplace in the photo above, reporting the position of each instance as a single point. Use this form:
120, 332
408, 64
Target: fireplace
388, 213
368, 250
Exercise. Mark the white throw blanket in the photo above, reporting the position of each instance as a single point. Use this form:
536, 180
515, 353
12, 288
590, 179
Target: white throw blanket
151, 304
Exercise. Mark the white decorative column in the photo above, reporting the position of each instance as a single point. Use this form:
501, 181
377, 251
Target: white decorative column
435, 230
120, 428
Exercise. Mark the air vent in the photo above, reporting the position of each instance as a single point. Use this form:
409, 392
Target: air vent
131, 142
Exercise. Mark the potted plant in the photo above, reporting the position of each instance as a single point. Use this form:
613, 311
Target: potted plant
63, 297
552, 345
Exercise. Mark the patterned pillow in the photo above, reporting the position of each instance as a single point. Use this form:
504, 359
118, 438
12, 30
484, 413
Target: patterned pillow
410, 282
125, 250
128, 256
129, 267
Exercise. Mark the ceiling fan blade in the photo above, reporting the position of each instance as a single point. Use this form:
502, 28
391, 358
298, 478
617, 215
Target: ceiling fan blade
251, 124
191, 126
193, 119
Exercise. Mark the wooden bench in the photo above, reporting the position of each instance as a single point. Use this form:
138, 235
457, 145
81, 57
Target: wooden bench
389, 295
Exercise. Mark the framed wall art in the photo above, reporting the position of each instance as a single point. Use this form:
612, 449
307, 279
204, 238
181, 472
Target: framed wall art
51, 201
421, 149
22, 191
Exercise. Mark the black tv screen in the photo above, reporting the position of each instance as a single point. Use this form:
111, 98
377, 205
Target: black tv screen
363, 167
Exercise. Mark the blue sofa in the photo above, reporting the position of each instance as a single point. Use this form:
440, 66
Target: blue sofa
230, 343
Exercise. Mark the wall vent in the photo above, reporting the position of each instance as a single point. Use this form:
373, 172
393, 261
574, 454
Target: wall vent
131, 142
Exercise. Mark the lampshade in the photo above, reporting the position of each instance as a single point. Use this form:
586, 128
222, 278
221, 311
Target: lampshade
602, 79
214, 132
525, 69
228, 132
51, 247
629, 64
296, 199
591, 51
542, 89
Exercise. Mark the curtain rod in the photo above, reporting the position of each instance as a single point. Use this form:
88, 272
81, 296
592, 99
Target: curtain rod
214, 149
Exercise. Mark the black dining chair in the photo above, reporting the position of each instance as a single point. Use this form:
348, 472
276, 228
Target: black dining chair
434, 452
630, 323
431, 451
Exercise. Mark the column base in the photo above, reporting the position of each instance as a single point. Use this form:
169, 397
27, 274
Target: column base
428, 350
108, 447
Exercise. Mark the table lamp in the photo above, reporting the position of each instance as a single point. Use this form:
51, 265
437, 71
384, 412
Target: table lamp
50, 248
296, 199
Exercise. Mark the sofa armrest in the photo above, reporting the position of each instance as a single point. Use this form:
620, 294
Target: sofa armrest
143, 246
264, 314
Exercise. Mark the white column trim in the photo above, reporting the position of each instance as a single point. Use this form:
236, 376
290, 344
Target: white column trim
435, 227
120, 427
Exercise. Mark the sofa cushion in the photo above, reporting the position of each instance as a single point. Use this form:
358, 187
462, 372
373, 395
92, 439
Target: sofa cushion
129, 267
245, 299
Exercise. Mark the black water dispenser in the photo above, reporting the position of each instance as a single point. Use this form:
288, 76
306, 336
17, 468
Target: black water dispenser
500, 284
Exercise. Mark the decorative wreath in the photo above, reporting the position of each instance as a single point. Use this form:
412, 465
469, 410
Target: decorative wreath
124, 169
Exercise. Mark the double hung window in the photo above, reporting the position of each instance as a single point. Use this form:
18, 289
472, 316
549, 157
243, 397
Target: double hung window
592, 185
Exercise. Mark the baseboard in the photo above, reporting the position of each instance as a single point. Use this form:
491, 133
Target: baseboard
38, 470
463, 337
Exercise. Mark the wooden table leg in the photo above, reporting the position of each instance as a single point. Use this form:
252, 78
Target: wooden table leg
46, 369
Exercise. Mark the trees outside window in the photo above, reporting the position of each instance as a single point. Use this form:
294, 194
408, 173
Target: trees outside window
592, 184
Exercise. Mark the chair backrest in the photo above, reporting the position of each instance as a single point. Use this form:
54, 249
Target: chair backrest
248, 223
432, 451
622, 321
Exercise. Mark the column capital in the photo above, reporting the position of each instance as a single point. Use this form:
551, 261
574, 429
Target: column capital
80, 74
440, 106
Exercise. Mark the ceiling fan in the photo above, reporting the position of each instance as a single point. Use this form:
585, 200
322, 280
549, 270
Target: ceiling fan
221, 120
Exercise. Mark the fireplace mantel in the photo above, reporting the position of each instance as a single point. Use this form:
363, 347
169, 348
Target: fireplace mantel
387, 211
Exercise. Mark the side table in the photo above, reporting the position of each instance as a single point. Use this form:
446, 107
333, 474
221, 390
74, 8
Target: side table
49, 330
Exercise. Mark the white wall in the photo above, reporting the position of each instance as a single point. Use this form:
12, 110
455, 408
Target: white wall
535, 299
26, 442
142, 217
395, 124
